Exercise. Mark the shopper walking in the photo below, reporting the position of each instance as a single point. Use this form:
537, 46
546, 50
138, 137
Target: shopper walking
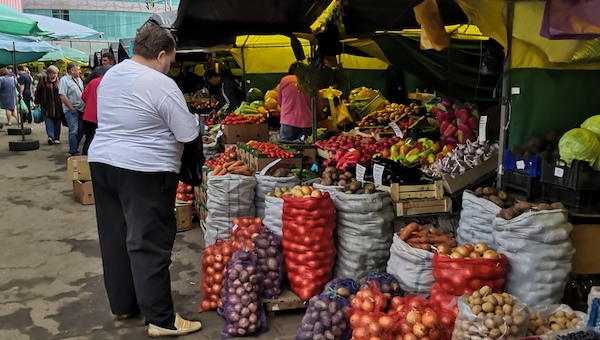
47, 98
296, 109
70, 89
8, 95
135, 156
90, 113
25, 81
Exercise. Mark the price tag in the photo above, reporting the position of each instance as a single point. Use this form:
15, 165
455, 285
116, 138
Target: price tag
520, 165
351, 150
397, 130
482, 128
559, 172
269, 166
235, 226
378, 174
360, 172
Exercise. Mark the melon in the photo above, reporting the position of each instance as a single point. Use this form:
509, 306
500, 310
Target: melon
271, 94
271, 103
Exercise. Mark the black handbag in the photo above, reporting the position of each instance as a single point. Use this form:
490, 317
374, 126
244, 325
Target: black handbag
192, 162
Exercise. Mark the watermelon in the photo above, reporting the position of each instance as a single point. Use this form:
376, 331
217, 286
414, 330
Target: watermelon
254, 94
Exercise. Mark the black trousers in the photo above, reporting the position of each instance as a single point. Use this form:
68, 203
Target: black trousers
136, 228
89, 130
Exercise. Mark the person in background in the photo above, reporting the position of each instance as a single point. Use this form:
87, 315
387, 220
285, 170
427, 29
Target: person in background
228, 90
296, 108
10, 71
70, 88
47, 98
108, 59
135, 158
43, 73
188, 81
8, 95
25, 82
90, 114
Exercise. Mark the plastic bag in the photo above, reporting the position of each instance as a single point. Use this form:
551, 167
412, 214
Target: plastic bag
464, 276
476, 218
592, 124
308, 245
214, 264
411, 267
581, 144
273, 210
325, 318
385, 283
244, 230
243, 307
266, 184
538, 265
229, 197
540, 316
363, 233
269, 254
469, 326
37, 115
343, 287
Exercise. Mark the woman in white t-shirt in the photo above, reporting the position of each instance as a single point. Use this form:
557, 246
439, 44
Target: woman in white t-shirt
135, 157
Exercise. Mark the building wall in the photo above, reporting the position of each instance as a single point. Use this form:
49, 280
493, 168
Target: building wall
16, 4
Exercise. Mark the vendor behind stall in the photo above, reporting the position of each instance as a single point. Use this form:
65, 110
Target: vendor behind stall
229, 90
296, 108
187, 80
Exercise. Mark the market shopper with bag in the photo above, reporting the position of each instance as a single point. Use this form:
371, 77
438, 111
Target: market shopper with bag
47, 98
135, 158
70, 88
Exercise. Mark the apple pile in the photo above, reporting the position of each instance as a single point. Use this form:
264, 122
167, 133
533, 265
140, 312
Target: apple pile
458, 122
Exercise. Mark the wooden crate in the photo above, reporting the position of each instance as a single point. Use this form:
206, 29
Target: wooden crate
413, 207
287, 300
400, 192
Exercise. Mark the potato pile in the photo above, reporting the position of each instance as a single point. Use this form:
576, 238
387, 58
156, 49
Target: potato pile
337, 177
297, 191
523, 207
468, 251
498, 197
497, 317
561, 320
281, 172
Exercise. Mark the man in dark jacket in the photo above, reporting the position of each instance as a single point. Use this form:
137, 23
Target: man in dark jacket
228, 90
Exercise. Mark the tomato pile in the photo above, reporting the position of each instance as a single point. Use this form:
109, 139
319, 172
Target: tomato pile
214, 263
211, 119
227, 156
270, 150
185, 193
244, 230
235, 118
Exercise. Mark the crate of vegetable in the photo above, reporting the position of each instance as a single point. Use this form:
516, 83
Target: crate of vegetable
578, 176
257, 155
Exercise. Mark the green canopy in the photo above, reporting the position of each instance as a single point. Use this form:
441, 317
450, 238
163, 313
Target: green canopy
65, 52
16, 23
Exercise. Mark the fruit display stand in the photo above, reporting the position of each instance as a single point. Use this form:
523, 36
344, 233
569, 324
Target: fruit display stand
257, 161
308, 151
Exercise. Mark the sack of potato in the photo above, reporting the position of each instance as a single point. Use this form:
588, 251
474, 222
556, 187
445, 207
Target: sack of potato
550, 321
487, 315
335, 181
412, 267
476, 217
539, 253
282, 178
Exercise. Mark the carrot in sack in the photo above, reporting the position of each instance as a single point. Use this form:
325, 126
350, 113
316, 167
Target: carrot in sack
408, 230
216, 170
235, 165
237, 170
228, 164
223, 172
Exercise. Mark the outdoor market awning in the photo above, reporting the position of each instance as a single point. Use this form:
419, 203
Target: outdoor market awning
63, 29
68, 53
26, 49
16, 23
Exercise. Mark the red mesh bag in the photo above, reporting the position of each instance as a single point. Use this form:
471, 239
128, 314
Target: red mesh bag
308, 245
464, 276
368, 318
440, 301
213, 266
244, 230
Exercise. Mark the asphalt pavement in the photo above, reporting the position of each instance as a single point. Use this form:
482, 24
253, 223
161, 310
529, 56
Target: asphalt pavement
51, 284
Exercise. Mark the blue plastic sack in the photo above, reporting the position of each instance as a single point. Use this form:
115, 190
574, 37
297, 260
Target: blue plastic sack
37, 115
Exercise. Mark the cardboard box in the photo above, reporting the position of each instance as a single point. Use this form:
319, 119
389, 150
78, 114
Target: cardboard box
83, 192
244, 132
452, 185
183, 214
584, 238
78, 168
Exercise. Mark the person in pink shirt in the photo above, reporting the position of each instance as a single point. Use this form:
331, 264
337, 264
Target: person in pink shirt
296, 108
90, 113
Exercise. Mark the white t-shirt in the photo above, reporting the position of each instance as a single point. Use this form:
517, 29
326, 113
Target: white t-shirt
143, 120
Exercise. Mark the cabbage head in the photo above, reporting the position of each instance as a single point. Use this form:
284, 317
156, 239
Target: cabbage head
580, 144
592, 124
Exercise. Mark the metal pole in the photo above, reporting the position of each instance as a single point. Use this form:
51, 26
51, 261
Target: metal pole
313, 99
244, 78
18, 104
505, 97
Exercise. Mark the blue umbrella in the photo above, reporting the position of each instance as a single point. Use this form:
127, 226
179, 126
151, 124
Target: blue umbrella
25, 48
63, 29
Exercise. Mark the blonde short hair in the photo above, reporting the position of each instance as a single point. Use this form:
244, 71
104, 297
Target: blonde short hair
52, 69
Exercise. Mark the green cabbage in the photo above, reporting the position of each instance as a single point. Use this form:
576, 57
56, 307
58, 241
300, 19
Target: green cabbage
580, 144
592, 124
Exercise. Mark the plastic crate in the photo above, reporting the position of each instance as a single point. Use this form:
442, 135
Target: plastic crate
531, 167
523, 183
580, 176
581, 201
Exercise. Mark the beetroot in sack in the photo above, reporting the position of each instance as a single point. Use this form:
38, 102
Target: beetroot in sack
244, 230
325, 318
464, 276
386, 284
343, 287
269, 254
243, 308
308, 245
214, 264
